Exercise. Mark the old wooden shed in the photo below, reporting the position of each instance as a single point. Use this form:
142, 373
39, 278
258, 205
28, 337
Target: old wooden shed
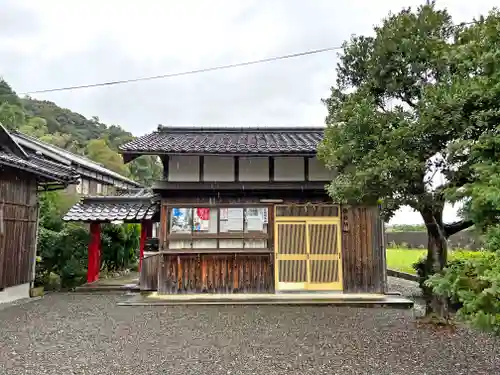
22, 176
244, 210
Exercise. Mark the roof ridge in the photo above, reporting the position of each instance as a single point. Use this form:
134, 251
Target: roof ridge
48, 145
238, 129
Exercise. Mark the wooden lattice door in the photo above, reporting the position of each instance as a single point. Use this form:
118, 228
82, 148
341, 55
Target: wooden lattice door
307, 254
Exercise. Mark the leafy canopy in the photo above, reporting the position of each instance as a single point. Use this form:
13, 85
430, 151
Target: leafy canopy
409, 104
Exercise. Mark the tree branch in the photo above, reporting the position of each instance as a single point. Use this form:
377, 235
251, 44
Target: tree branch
451, 229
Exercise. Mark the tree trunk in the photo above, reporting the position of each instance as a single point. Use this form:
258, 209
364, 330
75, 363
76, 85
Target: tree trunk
437, 252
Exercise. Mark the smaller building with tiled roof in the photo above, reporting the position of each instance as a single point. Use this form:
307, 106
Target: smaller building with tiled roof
132, 207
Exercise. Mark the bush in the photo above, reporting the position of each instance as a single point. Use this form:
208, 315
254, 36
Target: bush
456, 258
63, 253
119, 244
472, 284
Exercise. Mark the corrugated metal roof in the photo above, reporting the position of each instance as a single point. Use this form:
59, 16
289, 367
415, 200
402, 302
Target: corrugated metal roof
220, 140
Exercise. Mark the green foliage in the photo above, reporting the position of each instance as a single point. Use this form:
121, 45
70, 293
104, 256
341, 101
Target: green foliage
473, 286
119, 244
53, 206
64, 253
73, 132
413, 101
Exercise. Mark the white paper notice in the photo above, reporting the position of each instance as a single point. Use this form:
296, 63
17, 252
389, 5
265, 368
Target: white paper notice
235, 219
255, 224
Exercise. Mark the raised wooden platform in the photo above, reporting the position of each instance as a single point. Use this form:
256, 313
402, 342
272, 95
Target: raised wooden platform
359, 300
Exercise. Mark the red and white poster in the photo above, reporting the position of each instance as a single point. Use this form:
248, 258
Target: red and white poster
203, 213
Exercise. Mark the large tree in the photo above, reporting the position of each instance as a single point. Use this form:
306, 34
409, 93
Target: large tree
408, 106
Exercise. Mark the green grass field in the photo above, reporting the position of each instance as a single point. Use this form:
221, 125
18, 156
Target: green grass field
403, 259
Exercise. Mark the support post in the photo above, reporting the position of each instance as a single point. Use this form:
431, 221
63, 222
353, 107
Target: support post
94, 256
146, 232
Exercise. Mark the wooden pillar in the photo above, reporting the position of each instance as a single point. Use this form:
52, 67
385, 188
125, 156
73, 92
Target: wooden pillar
94, 256
146, 232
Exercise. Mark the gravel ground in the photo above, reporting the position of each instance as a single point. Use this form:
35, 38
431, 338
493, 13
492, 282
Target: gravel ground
89, 334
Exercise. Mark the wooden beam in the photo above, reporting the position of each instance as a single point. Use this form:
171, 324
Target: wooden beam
216, 251
201, 168
243, 186
236, 168
165, 161
306, 168
271, 168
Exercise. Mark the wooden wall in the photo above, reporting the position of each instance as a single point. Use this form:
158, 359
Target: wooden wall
18, 227
363, 250
363, 255
149, 272
216, 273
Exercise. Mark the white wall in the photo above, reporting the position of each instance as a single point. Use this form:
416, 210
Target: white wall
221, 169
14, 293
289, 168
184, 168
218, 168
318, 171
254, 169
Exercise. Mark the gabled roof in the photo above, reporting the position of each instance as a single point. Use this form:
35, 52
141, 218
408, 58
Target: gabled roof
227, 140
66, 157
14, 156
132, 207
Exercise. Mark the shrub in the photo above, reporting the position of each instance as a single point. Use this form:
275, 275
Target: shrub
474, 285
119, 244
456, 258
64, 253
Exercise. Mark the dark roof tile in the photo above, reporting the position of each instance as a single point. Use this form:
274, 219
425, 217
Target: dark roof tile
40, 167
205, 140
133, 207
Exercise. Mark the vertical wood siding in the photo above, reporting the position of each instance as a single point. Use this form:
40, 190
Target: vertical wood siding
18, 220
363, 251
149, 272
216, 273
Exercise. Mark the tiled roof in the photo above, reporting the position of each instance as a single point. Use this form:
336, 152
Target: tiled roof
217, 140
14, 156
132, 207
40, 167
32, 145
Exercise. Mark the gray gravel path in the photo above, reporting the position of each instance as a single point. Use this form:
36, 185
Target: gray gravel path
89, 334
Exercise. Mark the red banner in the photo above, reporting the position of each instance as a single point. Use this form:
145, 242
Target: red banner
203, 213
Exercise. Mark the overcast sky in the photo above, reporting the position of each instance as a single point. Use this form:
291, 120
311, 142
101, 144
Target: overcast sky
56, 43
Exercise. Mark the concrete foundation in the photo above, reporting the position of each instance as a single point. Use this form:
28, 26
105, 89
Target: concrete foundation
14, 293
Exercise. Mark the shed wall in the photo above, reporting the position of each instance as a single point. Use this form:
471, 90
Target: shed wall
18, 221
363, 250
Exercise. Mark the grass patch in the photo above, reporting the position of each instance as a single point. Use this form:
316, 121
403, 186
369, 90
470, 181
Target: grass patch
403, 259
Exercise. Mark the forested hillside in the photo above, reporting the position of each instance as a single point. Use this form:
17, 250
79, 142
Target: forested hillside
72, 131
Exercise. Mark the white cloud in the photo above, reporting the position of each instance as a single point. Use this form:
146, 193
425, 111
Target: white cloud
54, 43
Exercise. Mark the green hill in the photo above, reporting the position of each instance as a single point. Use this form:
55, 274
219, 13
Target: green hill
72, 131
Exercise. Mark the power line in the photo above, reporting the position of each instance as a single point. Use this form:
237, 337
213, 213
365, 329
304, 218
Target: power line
190, 72
170, 75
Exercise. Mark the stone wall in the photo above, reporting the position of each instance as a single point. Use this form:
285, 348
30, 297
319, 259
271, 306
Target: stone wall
414, 240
